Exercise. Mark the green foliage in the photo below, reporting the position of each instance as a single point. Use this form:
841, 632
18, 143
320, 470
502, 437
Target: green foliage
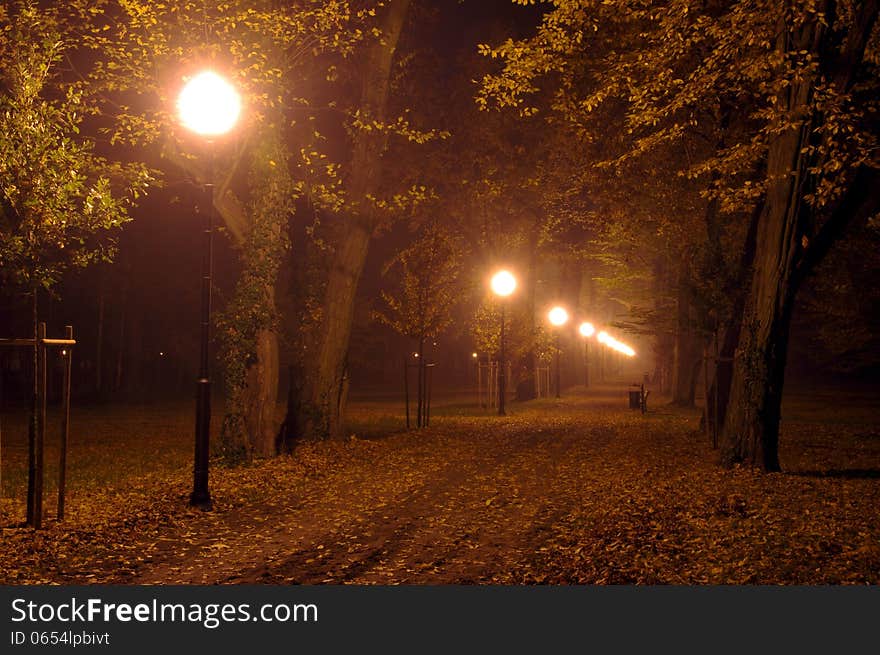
147, 48
59, 201
673, 66
486, 327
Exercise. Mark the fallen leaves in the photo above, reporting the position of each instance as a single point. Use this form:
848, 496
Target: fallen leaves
558, 493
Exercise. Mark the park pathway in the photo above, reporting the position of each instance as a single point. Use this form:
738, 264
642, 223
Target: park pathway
451, 504
581, 490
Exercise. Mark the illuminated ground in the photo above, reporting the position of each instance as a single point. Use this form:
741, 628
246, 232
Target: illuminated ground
581, 490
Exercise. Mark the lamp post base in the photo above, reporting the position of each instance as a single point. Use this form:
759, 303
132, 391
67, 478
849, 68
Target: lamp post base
201, 502
201, 496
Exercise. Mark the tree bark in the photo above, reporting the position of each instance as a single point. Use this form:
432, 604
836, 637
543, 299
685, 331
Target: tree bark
250, 424
325, 383
261, 395
751, 429
719, 389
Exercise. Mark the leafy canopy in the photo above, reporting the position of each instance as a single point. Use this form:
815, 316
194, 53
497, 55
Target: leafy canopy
59, 200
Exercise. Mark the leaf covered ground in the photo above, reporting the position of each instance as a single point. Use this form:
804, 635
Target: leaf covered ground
576, 491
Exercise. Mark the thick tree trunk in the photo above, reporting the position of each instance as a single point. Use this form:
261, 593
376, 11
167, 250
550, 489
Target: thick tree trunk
719, 388
250, 426
260, 395
751, 429
784, 252
325, 385
322, 409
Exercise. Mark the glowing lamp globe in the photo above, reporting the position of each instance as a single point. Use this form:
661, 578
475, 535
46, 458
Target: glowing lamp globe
587, 330
208, 105
503, 283
558, 316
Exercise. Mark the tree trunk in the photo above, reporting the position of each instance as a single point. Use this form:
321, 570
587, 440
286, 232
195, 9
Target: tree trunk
260, 395
751, 429
251, 356
784, 253
325, 384
719, 388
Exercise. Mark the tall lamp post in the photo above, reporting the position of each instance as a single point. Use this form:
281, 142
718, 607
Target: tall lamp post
503, 284
587, 330
558, 317
209, 106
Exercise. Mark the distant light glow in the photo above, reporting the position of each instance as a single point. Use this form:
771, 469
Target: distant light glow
208, 104
605, 338
474, 355
558, 316
587, 330
503, 283
415, 354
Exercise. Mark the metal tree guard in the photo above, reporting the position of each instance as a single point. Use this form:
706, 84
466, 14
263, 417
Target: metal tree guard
37, 432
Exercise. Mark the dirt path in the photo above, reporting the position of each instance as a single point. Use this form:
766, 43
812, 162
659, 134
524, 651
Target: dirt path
443, 507
581, 491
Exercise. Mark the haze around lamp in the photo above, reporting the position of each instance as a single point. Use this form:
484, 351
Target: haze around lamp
503, 283
208, 104
558, 316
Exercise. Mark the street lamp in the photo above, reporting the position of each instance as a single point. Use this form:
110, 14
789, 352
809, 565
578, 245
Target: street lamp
558, 317
503, 284
587, 330
209, 106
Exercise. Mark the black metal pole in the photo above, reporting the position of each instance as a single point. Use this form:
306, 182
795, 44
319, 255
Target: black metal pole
34, 420
428, 394
406, 388
558, 395
41, 426
201, 496
501, 377
65, 422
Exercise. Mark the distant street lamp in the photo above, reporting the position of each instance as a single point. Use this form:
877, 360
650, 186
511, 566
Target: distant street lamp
558, 317
209, 106
503, 284
587, 330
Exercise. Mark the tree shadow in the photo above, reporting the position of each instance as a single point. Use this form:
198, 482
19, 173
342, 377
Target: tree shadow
843, 474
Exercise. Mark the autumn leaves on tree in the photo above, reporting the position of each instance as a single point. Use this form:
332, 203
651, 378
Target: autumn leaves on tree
773, 105
692, 161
